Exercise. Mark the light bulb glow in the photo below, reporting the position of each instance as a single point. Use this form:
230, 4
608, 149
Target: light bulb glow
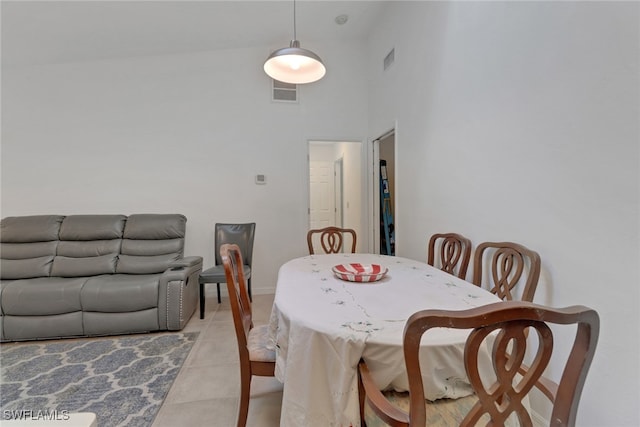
294, 63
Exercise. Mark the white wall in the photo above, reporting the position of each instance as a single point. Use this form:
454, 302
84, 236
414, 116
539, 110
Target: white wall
183, 133
519, 121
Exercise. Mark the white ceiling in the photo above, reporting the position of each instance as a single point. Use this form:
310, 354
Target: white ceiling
40, 32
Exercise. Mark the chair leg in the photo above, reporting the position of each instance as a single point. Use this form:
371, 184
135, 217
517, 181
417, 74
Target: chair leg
219, 300
202, 300
249, 288
361, 399
245, 395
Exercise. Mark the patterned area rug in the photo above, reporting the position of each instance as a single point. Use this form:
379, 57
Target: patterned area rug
123, 380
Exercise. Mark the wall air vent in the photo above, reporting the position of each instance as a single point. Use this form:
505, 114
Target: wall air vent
388, 60
284, 92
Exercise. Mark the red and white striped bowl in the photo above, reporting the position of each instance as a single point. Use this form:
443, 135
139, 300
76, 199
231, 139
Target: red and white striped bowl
359, 272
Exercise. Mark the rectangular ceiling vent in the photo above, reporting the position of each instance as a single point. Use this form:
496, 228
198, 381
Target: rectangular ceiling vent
388, 60
284, 92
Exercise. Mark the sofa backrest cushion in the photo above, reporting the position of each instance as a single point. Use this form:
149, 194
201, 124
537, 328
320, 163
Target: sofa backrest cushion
89, 245
28, 245
92, 227
29, 268
151, 242
35, 228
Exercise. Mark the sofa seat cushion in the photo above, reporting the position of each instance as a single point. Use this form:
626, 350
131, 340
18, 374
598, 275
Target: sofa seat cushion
96, 323
120, 293
42, 296
3, 284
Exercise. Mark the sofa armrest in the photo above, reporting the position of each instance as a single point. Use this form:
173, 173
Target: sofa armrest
179, 293
189, 261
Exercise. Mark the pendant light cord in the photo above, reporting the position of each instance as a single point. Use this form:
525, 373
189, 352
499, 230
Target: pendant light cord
295, 37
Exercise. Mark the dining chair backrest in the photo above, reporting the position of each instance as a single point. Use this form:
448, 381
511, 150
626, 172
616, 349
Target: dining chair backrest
331, 239
504, 326
507, 266
240, 234
231, 255
454, 250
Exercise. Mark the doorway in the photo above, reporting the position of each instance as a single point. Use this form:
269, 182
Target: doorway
337, 187
384, 211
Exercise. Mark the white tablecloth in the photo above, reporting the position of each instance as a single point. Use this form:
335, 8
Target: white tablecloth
322, 326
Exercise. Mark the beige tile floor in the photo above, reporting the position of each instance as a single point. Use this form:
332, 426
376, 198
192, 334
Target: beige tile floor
207, 388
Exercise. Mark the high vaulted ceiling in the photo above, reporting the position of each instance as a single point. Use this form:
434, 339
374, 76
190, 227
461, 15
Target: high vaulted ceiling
43, 32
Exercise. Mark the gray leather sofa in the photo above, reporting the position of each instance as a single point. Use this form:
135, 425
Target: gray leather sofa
88, 275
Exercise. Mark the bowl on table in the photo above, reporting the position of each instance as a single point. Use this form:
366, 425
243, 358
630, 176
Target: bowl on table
361, 273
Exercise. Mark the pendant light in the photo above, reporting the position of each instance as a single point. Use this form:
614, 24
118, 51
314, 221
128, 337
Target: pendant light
294, 64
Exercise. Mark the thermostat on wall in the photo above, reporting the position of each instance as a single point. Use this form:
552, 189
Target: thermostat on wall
261, 179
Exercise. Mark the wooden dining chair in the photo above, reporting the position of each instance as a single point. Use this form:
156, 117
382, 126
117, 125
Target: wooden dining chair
506, 326
331, 239
507, 264
455, 253
256, 356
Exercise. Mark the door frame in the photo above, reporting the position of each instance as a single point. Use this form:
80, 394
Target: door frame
338, 191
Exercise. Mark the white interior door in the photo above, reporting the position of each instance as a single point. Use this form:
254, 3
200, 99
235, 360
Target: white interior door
322, 201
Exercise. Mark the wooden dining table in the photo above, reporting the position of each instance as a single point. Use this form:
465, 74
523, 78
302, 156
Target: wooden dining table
321, 326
